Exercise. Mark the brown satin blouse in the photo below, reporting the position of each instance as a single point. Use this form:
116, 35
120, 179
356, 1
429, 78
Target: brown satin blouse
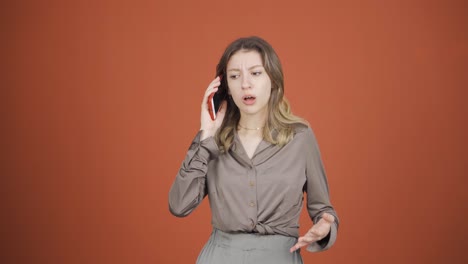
263, 194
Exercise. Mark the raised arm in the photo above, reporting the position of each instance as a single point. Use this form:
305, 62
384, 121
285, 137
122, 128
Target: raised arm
189, 187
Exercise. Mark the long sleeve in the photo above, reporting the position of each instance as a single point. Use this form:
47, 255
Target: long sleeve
318, 200
189, 188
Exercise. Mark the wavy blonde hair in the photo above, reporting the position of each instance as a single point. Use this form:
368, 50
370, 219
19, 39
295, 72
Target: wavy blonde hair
278, 129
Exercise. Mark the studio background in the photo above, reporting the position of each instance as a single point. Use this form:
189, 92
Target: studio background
101, 99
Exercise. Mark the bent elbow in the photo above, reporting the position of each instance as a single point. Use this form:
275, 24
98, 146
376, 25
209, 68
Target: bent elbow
179, 211
176, 212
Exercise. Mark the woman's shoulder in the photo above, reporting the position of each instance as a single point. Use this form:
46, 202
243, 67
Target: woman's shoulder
303, 133
301, 128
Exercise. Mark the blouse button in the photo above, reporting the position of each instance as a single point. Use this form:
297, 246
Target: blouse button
252, 204
252, 224
251, 183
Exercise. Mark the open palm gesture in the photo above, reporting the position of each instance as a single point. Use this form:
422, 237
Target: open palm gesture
316, 233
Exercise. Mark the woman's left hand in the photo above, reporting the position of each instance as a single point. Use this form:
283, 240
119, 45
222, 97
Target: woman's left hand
316, 233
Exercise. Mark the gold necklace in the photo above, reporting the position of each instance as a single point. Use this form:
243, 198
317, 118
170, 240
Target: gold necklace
246, 128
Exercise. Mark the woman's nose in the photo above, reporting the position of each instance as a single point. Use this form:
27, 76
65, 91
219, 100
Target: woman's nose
246, 82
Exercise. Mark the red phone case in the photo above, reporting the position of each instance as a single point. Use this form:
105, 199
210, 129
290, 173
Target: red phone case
211, 107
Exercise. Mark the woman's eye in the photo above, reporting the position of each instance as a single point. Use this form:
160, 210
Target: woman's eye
256, 73
235, 76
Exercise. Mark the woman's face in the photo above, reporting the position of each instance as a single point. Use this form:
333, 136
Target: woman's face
249, 84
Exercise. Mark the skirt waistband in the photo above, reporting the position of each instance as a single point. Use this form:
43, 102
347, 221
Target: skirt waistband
248, 241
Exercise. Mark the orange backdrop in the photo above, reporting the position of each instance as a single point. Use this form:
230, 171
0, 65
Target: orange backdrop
101, 100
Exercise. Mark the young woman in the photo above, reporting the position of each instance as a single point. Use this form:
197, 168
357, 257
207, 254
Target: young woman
254, 161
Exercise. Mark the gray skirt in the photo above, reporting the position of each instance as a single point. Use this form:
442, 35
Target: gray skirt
226, 248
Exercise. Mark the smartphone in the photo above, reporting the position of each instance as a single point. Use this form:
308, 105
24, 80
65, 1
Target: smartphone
215, 100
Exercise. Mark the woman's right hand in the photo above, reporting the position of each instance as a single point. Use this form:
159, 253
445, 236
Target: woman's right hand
209, 126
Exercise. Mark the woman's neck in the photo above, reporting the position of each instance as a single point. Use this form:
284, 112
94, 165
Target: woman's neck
252, 123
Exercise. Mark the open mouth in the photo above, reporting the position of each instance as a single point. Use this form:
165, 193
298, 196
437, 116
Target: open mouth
249, 98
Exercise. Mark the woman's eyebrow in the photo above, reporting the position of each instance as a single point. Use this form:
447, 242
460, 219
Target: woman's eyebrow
236, 69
